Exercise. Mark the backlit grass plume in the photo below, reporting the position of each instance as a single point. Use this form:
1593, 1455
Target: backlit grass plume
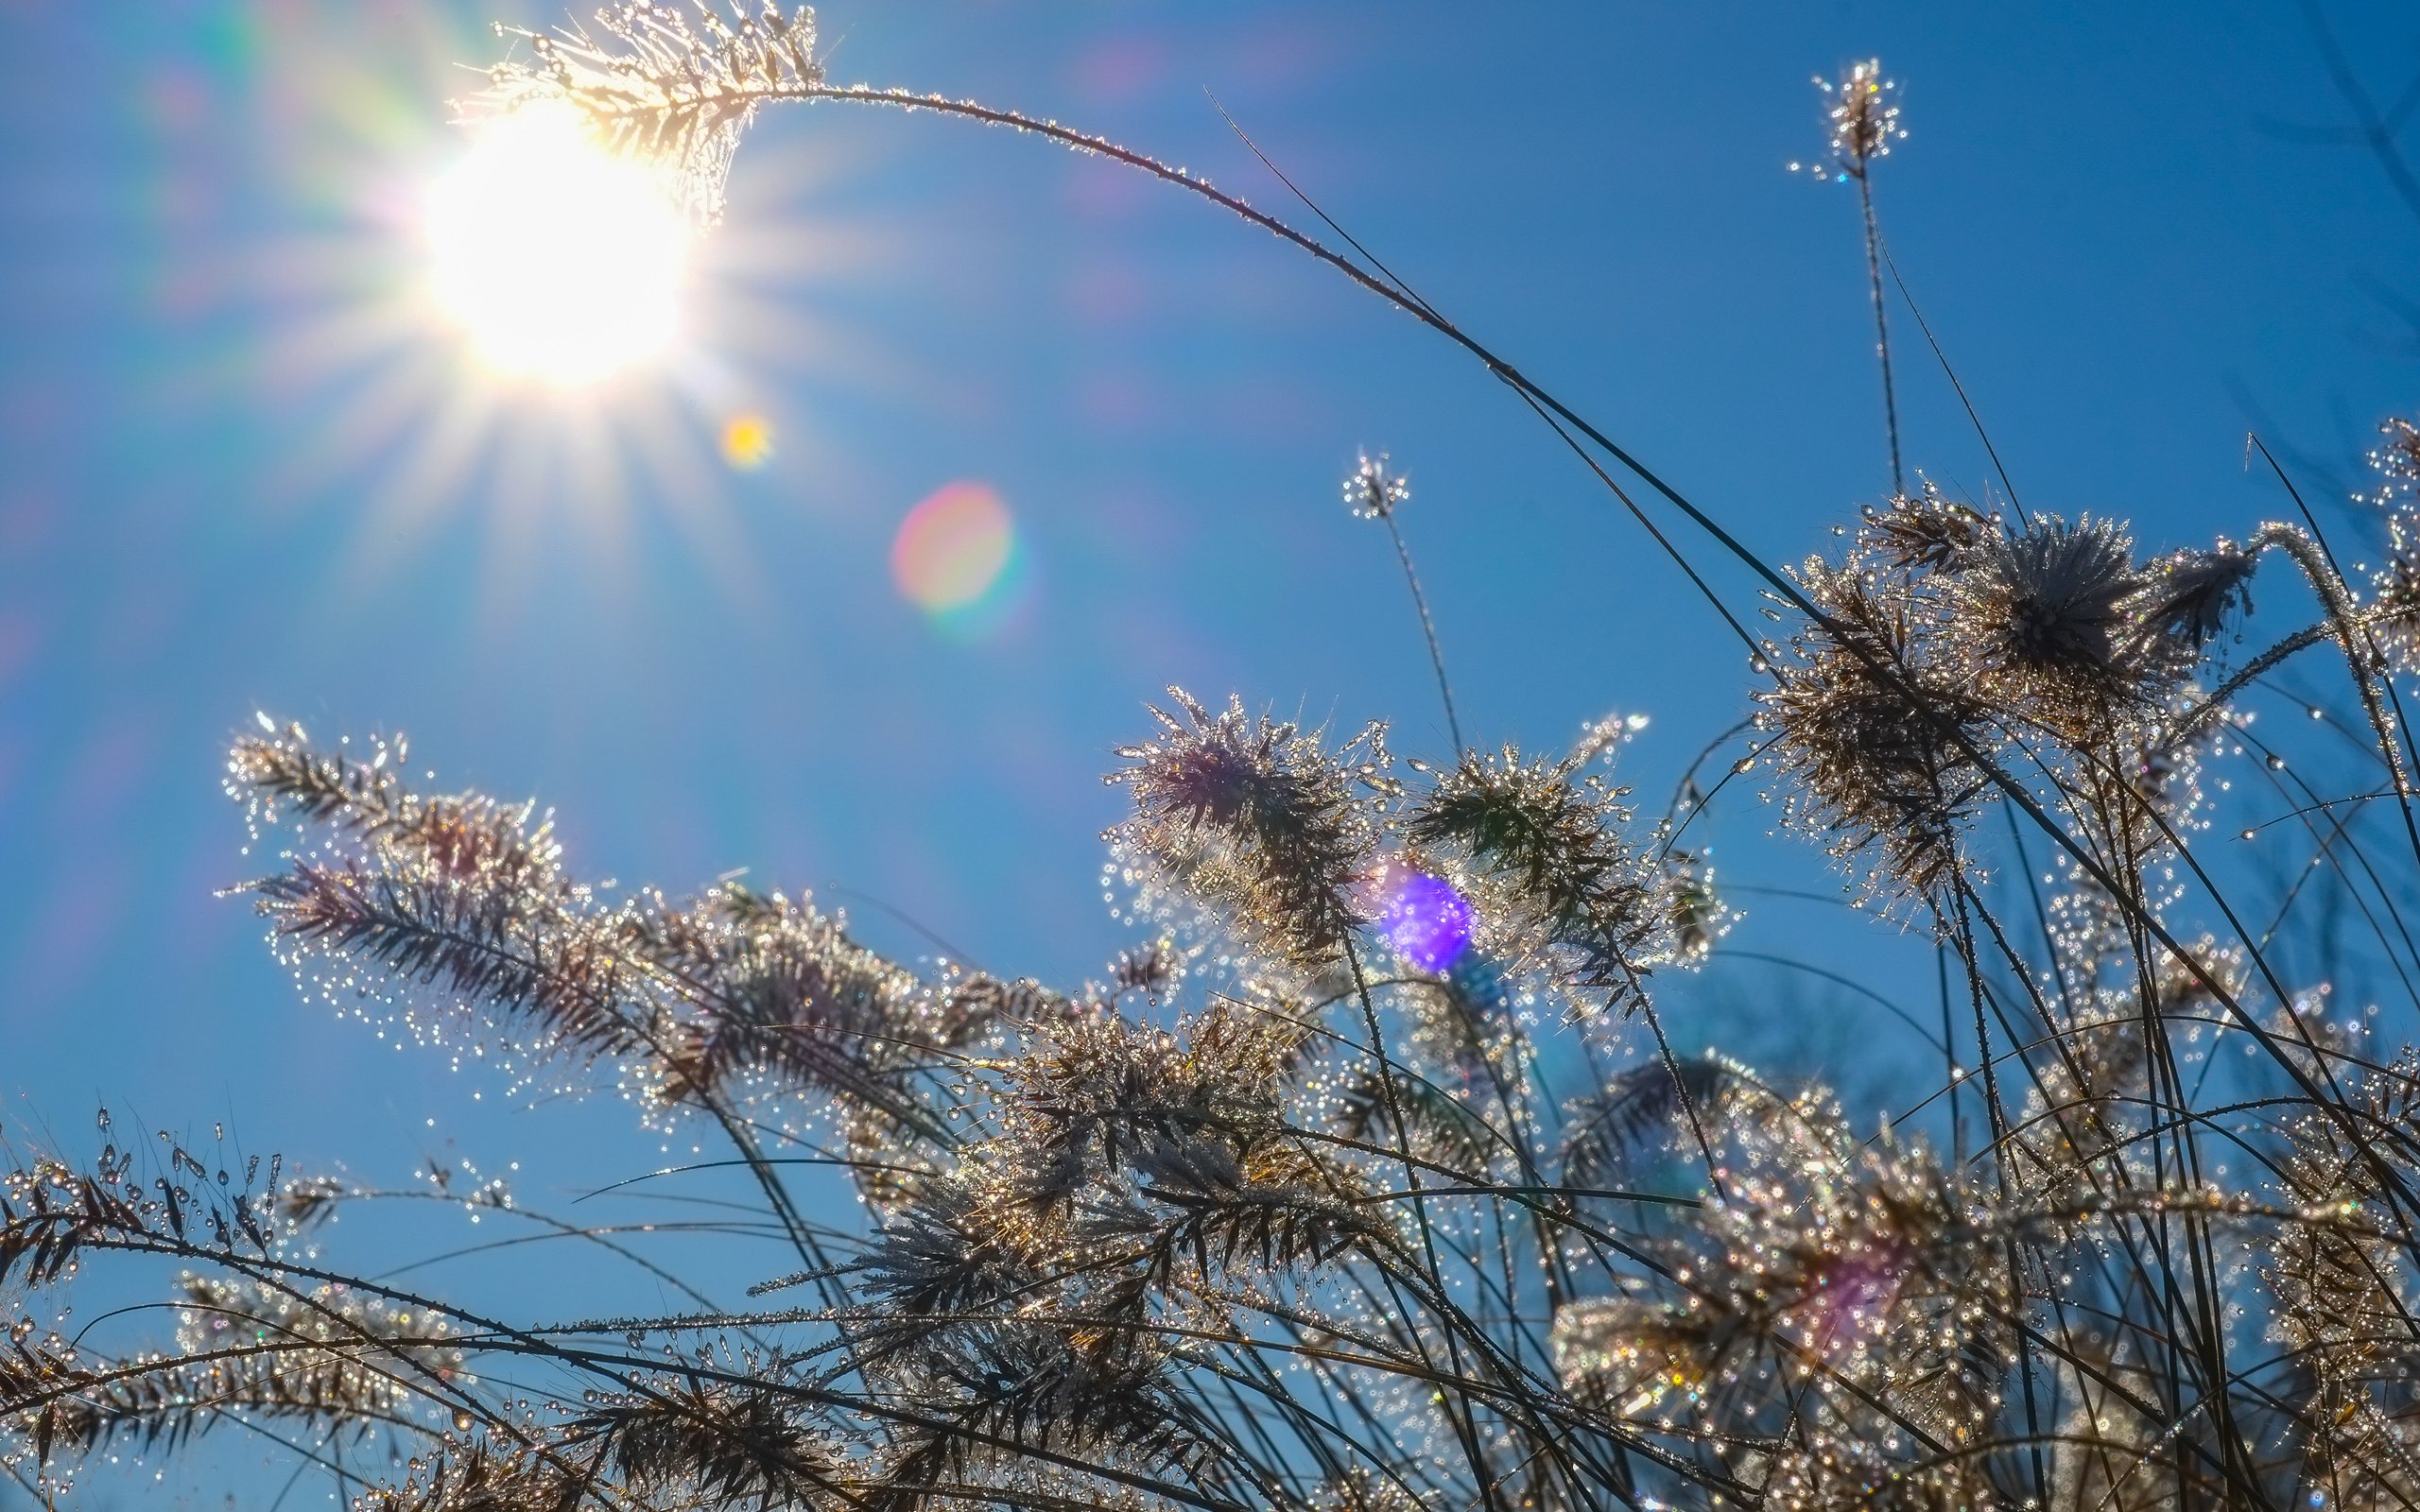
1863, 108
673, 85
1392, 1165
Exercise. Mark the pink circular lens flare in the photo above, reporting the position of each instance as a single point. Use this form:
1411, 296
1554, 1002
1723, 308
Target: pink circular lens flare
955, 558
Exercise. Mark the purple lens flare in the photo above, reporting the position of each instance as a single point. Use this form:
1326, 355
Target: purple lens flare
1426, 921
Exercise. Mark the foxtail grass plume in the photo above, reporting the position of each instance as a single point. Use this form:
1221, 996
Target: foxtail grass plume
2393, 607
1542, 840
672, 85
1863, 108
2038, 618
1287, 1141
1372, 492
2396, 462
1873, 732
1263, 821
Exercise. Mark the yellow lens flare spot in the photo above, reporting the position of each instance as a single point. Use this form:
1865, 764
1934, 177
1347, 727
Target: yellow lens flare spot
747, 441
558, 260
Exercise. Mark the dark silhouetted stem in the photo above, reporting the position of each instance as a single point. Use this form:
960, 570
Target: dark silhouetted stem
1881, 328
1427, 629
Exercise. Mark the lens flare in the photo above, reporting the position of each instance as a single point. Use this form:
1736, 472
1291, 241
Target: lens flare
560, 261
955, 558
747, 441
1426, 920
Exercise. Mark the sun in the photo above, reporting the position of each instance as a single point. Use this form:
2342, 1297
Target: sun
560, 261
503, 339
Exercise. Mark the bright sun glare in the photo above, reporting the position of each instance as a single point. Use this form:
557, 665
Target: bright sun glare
559, 259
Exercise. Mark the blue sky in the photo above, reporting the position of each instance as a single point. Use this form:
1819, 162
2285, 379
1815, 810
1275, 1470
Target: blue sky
222, 488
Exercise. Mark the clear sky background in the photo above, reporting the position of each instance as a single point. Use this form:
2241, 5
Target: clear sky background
239, 470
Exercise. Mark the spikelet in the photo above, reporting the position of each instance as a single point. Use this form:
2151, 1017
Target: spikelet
1871, 735
1861, 108
473, 1478
1543, 841
2189, 599
2392, 611
710, 1444
1611, 1134
1927, 529
2396, 462
323, 1357
671, 85
2039, 621
1371, 492
1259, 821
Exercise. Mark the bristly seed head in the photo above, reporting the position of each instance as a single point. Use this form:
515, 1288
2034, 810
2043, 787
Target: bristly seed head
2190, 598
1927, 529
2039, 620
671, 86
2396, 462
1371, 492
1863, 110
1260, 821
1870, 733
1545, 841
2392, 613
2051, 598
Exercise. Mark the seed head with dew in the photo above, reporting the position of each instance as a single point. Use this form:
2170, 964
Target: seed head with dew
2393, 610
2396, 462
1926, 530
2189, 600
1372, 492
1872, 732
1542, 841
2037, 618
1862, 107
1261, 820
1864, 110
673, 86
